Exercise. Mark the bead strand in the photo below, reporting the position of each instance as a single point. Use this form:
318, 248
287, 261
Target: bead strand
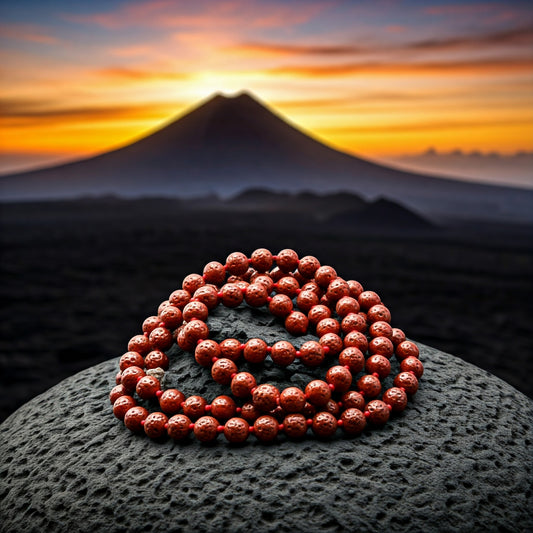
349, 322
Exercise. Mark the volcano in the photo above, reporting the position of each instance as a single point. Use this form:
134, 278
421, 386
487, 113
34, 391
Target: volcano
227, 145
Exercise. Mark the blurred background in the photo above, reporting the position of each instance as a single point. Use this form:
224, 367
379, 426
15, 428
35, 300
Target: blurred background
182, 118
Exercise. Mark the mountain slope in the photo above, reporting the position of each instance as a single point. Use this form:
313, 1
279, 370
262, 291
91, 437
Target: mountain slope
227, 145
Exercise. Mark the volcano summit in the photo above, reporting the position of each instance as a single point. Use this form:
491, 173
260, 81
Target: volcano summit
227, 145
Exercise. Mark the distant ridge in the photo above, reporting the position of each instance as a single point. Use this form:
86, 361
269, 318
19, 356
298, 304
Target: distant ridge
383, 214
227, 145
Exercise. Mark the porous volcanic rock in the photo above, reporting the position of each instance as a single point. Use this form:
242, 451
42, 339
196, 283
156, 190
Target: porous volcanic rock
458, 459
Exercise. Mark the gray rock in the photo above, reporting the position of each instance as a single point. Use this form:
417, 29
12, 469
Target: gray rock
458, 459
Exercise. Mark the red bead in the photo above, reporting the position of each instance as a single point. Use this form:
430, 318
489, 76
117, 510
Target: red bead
407, 381
379, 412
223, 408
414, 365
369, 385
130, 376
292, 400
346, 305
353, 421
367, 299
179, 426
312, 353
223, 370
171, 316
134, 418
264, 280
280, 306
230, 349
398, 336
206, 351
378, 313
340, 377
249, 412
283, 353
381, 346
337, 289
122, 405
296, 323
262, 260
214, 272
208, 295
184, 341
195, 309
131, 359
289, 286
407, 349
255, 351
355, 288
353, 400
195, 330
380, 329
161, 339
306, 300
318, 392
332, 407
206, 429
236, 430
353, 358
357, 340
242, 384
311, 286
318, 313
324, 424
266, 428
151, 323
295, 425
147, 387
256, 295
154, 425
231, 295
156, 359
140, 344
192, 282
378, 364
179, 298
396, 398
265, 397
287, 260
308, 266
353, 322
170, 401
332, 342
116, 392
325, 275
327, 325
237, 263
194, 407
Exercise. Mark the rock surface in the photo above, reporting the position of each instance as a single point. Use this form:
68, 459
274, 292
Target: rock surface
460, 458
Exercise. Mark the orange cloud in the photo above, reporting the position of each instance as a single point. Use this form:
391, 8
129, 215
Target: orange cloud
423, 126
30, 112
123, 73
435, 68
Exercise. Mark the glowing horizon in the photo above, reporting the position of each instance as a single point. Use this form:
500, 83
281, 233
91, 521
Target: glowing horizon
375, 79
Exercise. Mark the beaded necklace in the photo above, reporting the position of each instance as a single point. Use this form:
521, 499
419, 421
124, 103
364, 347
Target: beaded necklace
354, 336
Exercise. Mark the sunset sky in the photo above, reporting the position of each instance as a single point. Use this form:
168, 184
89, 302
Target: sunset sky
382, 79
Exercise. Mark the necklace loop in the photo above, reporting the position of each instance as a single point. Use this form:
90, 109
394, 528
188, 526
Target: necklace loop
354, 333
